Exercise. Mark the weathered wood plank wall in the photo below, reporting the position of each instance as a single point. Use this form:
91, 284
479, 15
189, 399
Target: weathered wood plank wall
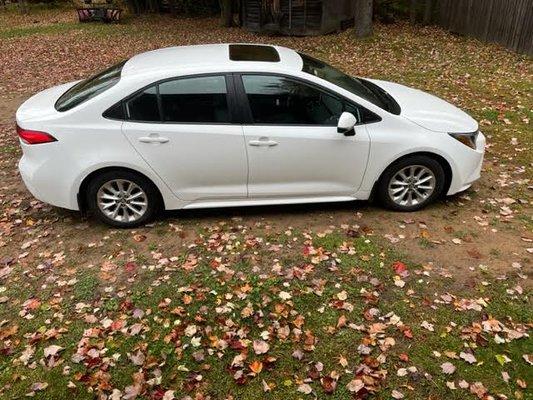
508, 22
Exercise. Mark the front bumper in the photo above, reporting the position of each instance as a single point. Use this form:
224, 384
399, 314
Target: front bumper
468, 166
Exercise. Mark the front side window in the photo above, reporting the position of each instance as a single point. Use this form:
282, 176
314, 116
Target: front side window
280, 100
89, 88
200, 99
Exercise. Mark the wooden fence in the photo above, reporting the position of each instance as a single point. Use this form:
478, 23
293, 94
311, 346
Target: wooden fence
508, 22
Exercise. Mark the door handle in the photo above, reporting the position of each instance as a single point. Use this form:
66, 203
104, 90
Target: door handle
153, 139
263, 142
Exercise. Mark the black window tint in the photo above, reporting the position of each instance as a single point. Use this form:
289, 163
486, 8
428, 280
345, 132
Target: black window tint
366, 116
202, 99
89, 88
115, 112
252, 52
279, 100
144, 107
363, 115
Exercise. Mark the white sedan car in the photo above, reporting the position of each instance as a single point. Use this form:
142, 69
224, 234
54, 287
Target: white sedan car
233, 125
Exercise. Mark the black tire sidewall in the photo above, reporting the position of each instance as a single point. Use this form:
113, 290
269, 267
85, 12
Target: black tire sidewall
145, 184
383, 183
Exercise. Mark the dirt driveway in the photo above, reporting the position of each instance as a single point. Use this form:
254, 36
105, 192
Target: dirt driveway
466, 232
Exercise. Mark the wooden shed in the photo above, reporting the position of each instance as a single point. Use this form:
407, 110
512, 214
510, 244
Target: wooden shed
298, 17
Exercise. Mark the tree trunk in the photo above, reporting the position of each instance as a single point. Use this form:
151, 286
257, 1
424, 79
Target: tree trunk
363, 18
428, 12
226, 13
239, 9
412, 12
241, 13
173, 5
23, 5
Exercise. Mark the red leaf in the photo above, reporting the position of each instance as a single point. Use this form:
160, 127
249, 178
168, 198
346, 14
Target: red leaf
130, 266
399, 267
404, 357
329, 384
116, 325
406, 331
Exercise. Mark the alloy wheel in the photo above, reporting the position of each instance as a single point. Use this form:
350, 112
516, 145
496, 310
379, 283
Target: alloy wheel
122, 200
412, 185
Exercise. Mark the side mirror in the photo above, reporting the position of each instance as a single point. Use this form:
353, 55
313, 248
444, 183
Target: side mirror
346, 125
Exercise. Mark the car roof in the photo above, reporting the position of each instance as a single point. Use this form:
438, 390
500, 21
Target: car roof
214, 57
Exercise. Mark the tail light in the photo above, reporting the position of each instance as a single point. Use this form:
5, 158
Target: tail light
34, 137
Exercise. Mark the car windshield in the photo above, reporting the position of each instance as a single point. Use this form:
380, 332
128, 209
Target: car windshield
89, 88
360, 87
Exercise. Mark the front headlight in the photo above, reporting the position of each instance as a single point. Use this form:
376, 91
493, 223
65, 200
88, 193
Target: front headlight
468, 139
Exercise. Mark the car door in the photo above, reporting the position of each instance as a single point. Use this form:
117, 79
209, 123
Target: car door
294, 149
184, 130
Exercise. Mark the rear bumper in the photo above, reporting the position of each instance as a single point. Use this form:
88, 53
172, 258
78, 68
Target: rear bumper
44, 183
467, 167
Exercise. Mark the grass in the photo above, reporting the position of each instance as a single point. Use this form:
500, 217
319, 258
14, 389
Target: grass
86, 287
14, 32
210, 290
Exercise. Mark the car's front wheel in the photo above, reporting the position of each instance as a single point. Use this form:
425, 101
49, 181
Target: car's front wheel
411, 183
122, 199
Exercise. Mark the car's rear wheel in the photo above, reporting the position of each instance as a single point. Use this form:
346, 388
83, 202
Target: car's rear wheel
411, 183
122, 199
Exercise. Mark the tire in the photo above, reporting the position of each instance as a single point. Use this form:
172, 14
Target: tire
105, 191
416, 194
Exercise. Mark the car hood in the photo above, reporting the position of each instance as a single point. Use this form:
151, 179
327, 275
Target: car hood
427, 110
42, 104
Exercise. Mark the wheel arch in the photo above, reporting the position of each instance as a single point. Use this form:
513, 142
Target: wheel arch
82, 191
448, 172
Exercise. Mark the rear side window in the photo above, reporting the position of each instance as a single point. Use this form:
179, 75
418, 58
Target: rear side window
143, 107
202, 99
185, 100
89, 88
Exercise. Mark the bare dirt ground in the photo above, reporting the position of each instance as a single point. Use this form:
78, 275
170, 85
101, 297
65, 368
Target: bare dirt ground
427, 236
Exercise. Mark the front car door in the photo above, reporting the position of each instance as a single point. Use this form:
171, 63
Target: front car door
184, 130
294, 149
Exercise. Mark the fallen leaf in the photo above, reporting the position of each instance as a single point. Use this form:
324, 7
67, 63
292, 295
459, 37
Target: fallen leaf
304, 388
399, 267
52, 350
260, 346
468, 357
256, 367
448, 368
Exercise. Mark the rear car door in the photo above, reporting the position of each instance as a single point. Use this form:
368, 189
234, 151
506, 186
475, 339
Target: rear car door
294, 149
184, 128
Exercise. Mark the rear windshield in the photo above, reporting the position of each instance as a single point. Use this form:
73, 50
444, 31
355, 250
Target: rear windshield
360, 87
89, 88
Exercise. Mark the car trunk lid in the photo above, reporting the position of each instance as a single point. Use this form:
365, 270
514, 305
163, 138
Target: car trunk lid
41, 105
